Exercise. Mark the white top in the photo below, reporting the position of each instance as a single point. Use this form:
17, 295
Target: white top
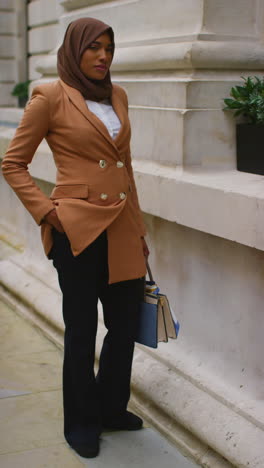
105, 112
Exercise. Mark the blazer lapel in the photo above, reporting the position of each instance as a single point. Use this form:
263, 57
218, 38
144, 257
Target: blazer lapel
120, 111
120, 107
79, 102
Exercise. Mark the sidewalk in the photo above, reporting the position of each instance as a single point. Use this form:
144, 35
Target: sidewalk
31, 411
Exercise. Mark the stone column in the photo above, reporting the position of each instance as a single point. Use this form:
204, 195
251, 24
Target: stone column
13, 34
43, 32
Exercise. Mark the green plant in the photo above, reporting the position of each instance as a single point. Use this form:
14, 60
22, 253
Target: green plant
248, 100
21, 89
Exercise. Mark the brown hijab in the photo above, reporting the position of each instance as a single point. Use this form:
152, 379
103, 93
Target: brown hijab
79, 34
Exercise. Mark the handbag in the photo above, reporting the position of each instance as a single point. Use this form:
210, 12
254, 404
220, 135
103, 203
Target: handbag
157, 322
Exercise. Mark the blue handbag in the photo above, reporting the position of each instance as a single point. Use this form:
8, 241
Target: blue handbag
157, 322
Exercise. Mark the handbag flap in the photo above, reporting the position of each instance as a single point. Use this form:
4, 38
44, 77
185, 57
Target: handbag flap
162, 332
171, 323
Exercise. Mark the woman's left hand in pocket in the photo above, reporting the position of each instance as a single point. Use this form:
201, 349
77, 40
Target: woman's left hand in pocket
52, 219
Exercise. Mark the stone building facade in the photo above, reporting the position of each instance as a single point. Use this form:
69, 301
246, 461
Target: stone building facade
177, 59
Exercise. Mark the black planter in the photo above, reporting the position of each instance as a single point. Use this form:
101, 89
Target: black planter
22, 101
250, 153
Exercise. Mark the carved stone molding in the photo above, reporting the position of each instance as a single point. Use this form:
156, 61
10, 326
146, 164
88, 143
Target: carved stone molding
70, 5
178, 56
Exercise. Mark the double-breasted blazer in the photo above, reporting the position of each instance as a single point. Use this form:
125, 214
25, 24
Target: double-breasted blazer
95, 188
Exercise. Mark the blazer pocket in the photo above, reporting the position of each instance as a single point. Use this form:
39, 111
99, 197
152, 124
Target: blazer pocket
70, 191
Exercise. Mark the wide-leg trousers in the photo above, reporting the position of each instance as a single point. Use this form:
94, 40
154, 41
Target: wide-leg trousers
89, 399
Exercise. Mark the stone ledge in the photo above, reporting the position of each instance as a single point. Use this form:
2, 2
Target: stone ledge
202, 424
227, 204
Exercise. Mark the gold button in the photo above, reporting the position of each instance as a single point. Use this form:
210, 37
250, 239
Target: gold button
119, 164
103, 196
122, 195
102, 163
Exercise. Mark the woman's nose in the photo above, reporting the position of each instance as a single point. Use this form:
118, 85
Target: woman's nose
103, 55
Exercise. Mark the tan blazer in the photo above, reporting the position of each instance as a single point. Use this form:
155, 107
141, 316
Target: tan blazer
95, 188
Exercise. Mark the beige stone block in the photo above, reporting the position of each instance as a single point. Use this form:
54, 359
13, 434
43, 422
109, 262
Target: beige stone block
32, 372
32, 62
181, 93
56, 456
8, 23
209, 93
157, 135
7, 46
34, 420
189, 137
154, 92
7, 4
209, 139
11, 115
16, 336
183, 19
222, 17
41, 12
6, 99
7, 70
43, 39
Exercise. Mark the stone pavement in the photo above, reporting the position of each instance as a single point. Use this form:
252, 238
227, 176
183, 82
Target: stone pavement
31, 411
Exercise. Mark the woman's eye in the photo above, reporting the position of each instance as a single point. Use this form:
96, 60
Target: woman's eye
96, 47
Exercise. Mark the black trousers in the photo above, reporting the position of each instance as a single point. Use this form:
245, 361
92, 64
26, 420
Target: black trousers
87, 399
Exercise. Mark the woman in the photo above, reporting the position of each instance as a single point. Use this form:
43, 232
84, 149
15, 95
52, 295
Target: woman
91, 226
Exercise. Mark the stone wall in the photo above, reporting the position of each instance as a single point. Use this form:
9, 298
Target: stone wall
177, 60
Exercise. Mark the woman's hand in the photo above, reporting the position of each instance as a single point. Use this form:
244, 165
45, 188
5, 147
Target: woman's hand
145, 247
52, 218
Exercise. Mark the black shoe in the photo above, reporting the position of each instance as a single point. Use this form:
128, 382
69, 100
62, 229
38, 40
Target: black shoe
86, 450
125, 422
85, 444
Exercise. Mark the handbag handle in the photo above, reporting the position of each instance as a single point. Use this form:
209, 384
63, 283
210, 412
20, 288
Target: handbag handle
149, 271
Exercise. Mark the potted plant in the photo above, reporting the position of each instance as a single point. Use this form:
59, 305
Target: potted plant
21, 91
248, 101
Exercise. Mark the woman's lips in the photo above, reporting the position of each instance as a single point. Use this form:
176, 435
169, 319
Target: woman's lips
101, 67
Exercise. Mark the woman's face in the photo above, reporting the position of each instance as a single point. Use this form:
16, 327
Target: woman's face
97, 58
